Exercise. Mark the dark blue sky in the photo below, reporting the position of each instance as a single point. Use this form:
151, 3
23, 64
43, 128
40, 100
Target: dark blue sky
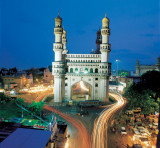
27, 30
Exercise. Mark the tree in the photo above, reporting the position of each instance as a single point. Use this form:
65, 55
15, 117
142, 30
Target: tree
20, 101
36, 107
1, 82
4, 98
145, 94
123, 74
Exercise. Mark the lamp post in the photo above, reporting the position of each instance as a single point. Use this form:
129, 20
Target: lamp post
117, 69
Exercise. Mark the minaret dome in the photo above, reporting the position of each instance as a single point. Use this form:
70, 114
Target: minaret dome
58, 21
64, 32
105, 22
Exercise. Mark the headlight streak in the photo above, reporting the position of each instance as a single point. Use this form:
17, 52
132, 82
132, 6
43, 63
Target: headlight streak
99, 134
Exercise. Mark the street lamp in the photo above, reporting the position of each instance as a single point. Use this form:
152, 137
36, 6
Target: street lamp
117, 69
117, 66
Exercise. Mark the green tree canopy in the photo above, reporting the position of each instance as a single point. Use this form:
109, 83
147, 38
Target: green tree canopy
4, 98
146, 93
36, 107
20, 101
123, 74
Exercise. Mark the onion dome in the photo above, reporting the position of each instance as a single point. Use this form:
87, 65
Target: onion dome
58, 18
105, 21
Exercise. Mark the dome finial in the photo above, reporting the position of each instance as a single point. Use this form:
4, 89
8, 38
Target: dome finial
58, 12
106, 14
99, 27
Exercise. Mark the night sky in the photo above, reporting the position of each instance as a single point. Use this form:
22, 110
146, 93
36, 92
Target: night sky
27, 30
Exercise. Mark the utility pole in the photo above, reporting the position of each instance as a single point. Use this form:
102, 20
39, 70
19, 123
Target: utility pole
117, 70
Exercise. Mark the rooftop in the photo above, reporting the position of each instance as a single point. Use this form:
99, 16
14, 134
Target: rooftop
27, 138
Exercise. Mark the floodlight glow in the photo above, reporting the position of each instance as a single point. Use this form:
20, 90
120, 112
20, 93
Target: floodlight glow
12, 92
2, 90
83, 86
67, 144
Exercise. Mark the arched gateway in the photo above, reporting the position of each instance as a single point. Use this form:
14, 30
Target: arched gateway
81, 91
81, 76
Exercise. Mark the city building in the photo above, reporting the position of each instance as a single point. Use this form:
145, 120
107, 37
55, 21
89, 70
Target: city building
48, 77
126, 81
112, 78
141, 69
123, 82
38, 74
81, 76
19, 80
23, 137
62, 131
13, 134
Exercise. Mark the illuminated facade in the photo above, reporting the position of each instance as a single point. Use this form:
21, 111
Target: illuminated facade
91, 69
48, 77
17, 81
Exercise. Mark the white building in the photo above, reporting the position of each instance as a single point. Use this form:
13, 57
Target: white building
86, 74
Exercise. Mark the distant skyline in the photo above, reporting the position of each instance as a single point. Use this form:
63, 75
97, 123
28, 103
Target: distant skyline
27, 30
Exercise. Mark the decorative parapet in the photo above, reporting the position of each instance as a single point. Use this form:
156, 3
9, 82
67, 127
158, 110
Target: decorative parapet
83, 56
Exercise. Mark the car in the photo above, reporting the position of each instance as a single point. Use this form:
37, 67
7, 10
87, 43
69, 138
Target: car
137, 110
140, 128
145, 141
138, 134
68, 136
155, 125
137, 146
147, 132
123, 131
135, 130
150, 125
129, 113
156, 131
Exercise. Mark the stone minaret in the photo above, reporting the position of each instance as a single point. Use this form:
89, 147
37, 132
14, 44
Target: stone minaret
98, 41
58, 65
158, 63
105, 49
137, 68
64, 41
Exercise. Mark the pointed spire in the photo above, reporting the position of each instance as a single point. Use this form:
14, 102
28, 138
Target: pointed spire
106, 14
99, 27
58, 17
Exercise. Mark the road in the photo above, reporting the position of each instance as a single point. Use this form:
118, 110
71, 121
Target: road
99, 135
29, 97
81, 139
